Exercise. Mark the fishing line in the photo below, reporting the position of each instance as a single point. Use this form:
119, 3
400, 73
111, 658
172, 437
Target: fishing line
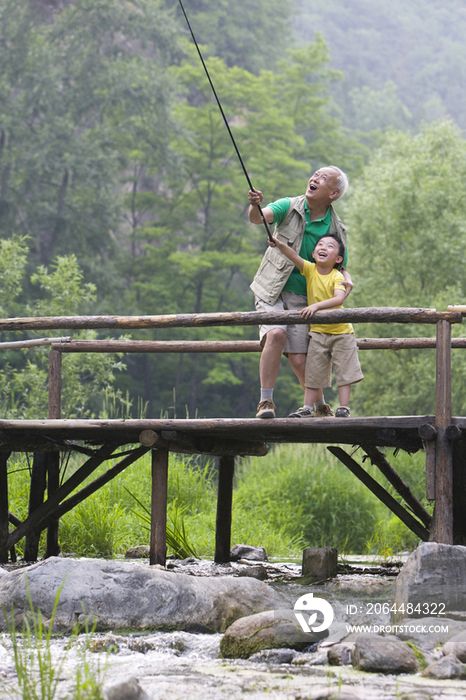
224, 118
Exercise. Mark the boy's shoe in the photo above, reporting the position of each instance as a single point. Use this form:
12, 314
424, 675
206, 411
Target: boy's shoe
303, 412
266, 409
324, 411
342, 412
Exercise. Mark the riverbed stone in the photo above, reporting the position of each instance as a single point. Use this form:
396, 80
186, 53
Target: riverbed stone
433, 575
446, 667
376, 654
246, 551
340, 654
122, 595
259, 572
272, 629
456, 645
128, 689
320, 562
432, 630
141, 551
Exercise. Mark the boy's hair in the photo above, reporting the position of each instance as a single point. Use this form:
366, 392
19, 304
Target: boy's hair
341, 247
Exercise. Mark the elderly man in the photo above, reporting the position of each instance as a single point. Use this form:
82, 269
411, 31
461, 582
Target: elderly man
278, 285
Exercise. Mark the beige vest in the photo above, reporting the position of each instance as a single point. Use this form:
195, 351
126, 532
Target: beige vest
275, 268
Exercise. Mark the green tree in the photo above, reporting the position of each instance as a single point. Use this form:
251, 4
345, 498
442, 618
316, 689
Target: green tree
407, 215
87, 379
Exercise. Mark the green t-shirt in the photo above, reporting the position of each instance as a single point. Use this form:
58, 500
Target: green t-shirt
312, 232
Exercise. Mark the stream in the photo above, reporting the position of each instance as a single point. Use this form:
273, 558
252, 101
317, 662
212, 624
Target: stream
182, 665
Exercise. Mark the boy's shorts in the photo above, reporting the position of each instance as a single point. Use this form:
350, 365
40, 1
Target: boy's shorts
327, 349
297, 336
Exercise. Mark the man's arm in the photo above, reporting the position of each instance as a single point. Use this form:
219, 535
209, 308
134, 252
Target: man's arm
337, 300
348, 282
255, 198
289, 252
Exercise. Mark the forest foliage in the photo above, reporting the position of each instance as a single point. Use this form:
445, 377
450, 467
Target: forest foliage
120, 191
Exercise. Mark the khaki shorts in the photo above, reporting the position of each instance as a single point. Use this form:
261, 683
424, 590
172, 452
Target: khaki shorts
326, 350
297, 336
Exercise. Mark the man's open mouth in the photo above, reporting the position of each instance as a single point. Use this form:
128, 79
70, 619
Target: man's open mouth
312, 187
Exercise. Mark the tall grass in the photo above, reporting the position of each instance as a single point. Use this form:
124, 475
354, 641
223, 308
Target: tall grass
40, 668
296, 496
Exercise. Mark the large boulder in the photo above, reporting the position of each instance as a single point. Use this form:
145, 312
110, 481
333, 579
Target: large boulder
432, 581
122, 595
272, 629
383, 655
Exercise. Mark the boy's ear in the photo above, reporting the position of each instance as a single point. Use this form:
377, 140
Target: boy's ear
339, 259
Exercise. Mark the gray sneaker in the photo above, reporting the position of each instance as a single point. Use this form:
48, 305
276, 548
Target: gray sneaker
266, 409
342, 412
324, 411
303, 412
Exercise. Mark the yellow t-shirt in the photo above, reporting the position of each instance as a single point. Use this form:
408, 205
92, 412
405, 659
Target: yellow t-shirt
321, 287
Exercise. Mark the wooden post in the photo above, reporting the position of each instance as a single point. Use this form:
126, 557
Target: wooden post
4, 507
158, 521
54, 383
442, 528
53, 458
53, 482
226, 470
36, 498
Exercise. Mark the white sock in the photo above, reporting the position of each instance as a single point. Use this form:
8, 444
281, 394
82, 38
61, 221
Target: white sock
320, 402
266, 394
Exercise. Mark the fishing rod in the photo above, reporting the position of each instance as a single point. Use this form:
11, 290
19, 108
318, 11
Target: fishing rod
225, 119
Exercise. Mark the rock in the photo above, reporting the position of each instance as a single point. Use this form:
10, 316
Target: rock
446, 667
428, 629
245, 551
122, 595
124, 690
142, 551
340, 654
320, 562
259, 572
274, 656
456, 645
434, 576
377, 654
267, 630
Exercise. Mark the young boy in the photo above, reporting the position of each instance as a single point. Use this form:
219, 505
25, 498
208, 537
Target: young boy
330, 344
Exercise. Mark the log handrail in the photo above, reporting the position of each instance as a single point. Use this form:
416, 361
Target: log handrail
232, 318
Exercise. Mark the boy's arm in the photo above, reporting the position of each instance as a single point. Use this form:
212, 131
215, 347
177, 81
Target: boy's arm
289, 252
337, 300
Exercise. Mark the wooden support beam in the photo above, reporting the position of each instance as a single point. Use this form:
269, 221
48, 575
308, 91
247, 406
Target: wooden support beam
158, 523
381, 493
96, 484
4, 520
216, 447
40, 513
233, 318
442, 526
226, 470
162, 346
53, 483
378, 458
37, 487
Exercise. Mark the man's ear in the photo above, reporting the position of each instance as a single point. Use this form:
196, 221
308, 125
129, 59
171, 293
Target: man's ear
334, 195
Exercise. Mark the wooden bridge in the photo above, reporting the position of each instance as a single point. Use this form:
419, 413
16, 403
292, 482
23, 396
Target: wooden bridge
441, 436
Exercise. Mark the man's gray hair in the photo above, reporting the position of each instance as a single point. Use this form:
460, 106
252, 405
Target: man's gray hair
342, 180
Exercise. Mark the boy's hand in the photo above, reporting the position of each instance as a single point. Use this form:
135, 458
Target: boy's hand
348, 282
309, 311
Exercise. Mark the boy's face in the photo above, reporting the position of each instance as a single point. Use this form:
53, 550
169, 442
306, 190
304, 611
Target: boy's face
327, 252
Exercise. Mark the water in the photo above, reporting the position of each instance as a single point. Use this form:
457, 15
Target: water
181, 665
